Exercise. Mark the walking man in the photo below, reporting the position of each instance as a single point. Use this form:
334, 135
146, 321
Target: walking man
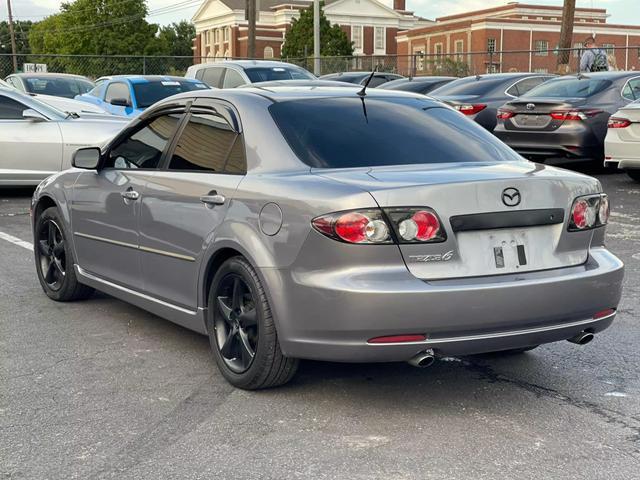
593, 59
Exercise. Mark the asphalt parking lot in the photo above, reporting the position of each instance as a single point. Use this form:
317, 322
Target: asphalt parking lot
102, 389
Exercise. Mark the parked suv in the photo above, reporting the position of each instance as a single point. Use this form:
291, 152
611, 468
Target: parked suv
232, 74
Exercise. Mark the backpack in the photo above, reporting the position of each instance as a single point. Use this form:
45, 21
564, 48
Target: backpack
600, 62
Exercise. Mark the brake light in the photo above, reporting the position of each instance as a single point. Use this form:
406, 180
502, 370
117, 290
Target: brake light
574, 115
618, 122
470, 109
410, 225
505, 114
398, 339
588, 212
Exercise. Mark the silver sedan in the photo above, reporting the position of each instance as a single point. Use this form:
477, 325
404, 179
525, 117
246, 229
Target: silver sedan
329, 224
37, 140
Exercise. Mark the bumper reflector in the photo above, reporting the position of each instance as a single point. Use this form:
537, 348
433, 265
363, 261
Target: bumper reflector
604, 313
398, 339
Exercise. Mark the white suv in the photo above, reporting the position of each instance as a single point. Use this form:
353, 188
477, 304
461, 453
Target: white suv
232, 74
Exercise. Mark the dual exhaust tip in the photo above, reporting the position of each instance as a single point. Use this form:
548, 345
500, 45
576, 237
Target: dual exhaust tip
426, 358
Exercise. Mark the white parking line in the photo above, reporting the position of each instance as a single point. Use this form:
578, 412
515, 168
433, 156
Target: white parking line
16, 241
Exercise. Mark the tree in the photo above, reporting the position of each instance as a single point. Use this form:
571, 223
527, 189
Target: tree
175, 40
299, 39
21, 29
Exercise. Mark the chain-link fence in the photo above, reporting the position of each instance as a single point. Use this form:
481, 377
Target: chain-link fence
457, 64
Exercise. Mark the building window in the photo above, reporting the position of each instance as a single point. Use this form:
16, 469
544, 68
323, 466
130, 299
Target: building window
541, 48
226, 34
356, 37
525, 17
491, 44
577, 49
541, 70
437, 49
609, 47
458, 47
268, 52
540, 18
554, 19
419, 58
378, 34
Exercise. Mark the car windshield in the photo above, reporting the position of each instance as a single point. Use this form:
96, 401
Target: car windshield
67, 87
569, 88
349, 132
469, 86
266, 74
148, 93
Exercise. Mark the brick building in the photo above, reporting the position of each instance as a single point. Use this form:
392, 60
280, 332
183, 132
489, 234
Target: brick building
372, 25
517, 26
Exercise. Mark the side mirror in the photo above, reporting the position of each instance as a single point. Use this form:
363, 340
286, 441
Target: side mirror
120, 102
86, 158
32, 115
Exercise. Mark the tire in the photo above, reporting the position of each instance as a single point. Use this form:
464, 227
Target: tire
239, 322
54, 259
634, 174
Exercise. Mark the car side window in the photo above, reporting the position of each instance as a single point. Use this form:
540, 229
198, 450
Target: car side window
208, 144
523, 86
117, 90
232, 79
376, 81
631, 90
10, 109
211, 76
143, 148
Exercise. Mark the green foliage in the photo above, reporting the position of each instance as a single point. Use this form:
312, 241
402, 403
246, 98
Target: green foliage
299, 39
21, 30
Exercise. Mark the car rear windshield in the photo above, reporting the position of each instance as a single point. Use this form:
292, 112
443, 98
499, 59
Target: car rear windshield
569, 88
469, 86
349, 132
149, 93
267, 74
57, 86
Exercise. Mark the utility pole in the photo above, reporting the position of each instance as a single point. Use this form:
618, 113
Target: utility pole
251, 17
566, 35
316, 37
13, 38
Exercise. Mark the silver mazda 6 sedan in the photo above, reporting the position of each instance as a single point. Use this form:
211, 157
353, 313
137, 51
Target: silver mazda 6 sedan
333, 224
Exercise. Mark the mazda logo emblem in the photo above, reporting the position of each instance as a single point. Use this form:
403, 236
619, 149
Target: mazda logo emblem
531, 106
511, 197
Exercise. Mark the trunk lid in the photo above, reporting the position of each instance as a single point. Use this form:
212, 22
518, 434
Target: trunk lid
535, 113
467, 197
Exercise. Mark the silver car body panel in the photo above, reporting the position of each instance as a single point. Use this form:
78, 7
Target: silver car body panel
328, 298
622, 145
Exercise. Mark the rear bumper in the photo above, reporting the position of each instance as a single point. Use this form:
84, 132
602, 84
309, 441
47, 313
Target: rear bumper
624, 154
331, 315
574, 143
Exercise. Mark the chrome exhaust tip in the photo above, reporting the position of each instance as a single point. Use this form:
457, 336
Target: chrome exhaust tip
582, 338
423, 359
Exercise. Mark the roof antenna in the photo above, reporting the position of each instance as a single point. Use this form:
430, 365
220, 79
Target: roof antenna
363, 92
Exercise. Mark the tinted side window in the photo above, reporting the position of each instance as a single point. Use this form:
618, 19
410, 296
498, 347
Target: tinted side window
10, 109
523, 86
376, 81
204, 144
631, 90
143, 148
117, 90
232, 79
211, 76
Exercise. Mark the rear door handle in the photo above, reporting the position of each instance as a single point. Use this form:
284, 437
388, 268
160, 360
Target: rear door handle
130, 195
213, 200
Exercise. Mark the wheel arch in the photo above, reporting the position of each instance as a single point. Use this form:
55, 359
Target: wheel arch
41, 204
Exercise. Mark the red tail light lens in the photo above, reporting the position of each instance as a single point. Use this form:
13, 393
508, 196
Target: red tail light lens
398, 339
574, 115
618, 122
589, 212
470, 109
410, 225
505, 114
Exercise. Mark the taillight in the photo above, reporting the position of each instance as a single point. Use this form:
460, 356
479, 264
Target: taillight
618, 122
589, 211
470, 109
505, 114
576, 115
409, 225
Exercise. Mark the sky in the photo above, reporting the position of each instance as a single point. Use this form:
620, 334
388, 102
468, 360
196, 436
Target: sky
621, 11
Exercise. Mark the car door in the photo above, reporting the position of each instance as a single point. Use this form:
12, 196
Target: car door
117, 92
31, 149
185, 203
106, 203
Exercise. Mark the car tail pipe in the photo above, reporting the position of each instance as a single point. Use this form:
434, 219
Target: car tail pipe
582, 338
423, 359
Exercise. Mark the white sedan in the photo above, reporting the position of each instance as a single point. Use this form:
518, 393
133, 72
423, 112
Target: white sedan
37, 140
622, 145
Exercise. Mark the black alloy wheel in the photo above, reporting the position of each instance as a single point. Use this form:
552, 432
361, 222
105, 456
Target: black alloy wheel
236, 326
51, 254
